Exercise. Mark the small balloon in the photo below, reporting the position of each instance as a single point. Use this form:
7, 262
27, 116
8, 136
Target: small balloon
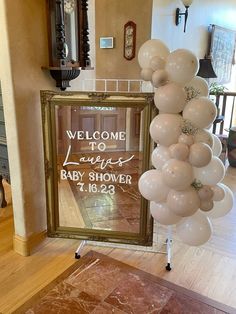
157, 63
205, 193
206, 206
165, 129
181, 65
194, 230
159, 78
170, 98
177, 174
217, 146
146, 74
186, 139
218, 192
161, 213
160, 156
197, 87
183, 203
223, 207
212, 173
201, 112
179, 151
203, 136
152, 187
200, 155
150, 49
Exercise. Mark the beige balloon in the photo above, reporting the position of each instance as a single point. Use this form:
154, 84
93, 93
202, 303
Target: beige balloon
160, 156
200, 155
206, 206
183, 203
159, 78
179, 151
177, 174
161, 213
218, 192
205, 193
157, 63
146, 74
186, 139
194, 230
199, 85
223, 207
203, 136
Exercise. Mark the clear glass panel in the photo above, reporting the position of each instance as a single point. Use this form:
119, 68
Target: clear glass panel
99, 154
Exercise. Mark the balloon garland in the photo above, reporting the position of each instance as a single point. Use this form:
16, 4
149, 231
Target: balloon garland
184, 188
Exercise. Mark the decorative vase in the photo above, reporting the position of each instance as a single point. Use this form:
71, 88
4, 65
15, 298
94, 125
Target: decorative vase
231, 145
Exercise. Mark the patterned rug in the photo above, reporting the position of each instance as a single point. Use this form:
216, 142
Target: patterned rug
100, 284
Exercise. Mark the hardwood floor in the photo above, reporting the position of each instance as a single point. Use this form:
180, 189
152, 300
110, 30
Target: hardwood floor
209, 270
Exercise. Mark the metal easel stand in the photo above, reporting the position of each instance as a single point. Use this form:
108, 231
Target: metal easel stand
168, 244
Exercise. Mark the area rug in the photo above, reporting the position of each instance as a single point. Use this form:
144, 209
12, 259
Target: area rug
99, 284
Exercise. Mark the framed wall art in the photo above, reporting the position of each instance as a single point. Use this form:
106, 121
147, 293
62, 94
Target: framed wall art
129, 40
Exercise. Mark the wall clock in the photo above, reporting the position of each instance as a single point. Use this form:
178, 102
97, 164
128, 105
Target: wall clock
129, 40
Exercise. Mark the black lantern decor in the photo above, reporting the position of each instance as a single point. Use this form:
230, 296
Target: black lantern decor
68, 39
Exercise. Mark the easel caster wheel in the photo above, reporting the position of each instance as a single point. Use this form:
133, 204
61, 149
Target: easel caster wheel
168, 267
77, 256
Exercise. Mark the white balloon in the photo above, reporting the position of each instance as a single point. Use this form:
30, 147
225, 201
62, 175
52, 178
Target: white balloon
157, 63
161, 213
218, 192
181, 65
152, 187
194, 230
159, 78
146, 74
197, 87
160, 156
170, 98
165, 129
223, 207
212, 173
177, 174
203, 136
217, 146
201, 112
150, 49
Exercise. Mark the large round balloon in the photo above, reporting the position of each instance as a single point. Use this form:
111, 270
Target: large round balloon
203, 136
200, 155
212, 173
201, 112
157, 63
160, 156
194, 230
165, 129
197, 87
183, 203
146, 74
186, 139
159, 78
181, 65
179, 151
152, 187
217, 146
223, 207
177, 174
150, 49
161, 213
170, 98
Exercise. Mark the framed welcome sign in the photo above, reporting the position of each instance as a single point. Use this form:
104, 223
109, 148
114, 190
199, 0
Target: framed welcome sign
96, 146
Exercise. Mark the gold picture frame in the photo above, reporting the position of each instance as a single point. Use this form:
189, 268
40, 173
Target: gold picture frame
62, 189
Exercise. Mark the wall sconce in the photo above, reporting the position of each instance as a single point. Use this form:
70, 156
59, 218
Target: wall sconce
179, 14
68, 40
206, 69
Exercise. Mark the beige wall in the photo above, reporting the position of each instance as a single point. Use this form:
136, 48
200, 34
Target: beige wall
23, 51
111, 16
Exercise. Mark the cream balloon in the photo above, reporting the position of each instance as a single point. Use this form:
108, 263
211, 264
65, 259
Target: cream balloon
170, 98
157, 63
217, 146
150, 49
205, 193
200, 111
165, 129
200, 155
223, 207
199, 86
181, 65
183, 203
179, 151
186, 139
161, 213
146, 74
218, 192
160, 156
206, 206
177, 174
194, 230
203, 136
152, 187
159, 78
212, 173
